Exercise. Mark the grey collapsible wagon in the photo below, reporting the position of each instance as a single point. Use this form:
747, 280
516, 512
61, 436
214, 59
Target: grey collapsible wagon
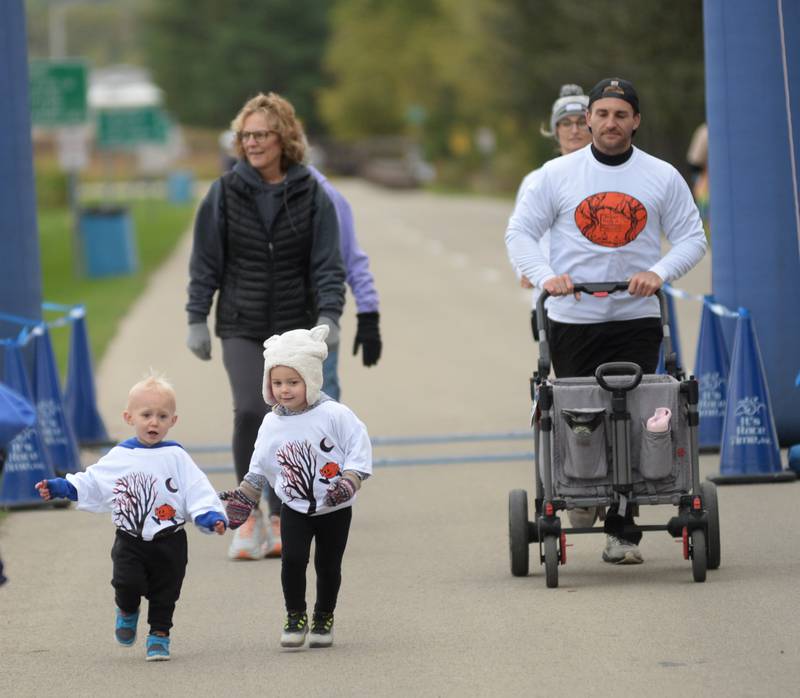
592, 450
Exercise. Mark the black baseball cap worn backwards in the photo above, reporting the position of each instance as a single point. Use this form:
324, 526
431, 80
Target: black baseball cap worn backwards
616, 88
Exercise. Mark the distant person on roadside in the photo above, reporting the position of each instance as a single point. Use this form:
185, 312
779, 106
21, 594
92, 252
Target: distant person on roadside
606, 207
266, 243
152, 487
315, 453
571, 132
362, 286
697, 157
227, 150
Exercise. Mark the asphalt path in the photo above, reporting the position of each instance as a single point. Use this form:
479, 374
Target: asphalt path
428, 606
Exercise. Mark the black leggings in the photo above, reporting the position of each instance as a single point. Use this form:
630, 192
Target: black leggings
153, 569
244, 363
330, 533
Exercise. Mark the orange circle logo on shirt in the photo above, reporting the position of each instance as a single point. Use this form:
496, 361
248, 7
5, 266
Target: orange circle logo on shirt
610, 219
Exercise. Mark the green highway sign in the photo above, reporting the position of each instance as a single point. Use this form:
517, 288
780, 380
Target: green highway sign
127, 128
58, 92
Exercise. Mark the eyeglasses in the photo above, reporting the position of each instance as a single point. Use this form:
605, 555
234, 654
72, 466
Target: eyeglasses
257, 136
567, 124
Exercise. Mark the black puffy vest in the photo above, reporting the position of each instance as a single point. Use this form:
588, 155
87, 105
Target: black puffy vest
266, 288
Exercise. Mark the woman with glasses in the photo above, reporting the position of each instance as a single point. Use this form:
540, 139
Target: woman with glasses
266, 243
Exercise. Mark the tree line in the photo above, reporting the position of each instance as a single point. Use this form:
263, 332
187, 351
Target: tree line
439, 72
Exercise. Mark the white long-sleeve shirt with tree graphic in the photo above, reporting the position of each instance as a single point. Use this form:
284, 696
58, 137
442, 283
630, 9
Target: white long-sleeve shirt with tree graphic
302, 454
149, 490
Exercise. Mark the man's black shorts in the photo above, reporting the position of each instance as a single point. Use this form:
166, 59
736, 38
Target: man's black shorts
577, 350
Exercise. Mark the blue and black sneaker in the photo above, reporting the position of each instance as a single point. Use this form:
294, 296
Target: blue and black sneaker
125, 628
157, 648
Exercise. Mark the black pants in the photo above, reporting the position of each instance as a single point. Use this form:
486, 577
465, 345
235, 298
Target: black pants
244, 363
329, 532
578, 350
153, 569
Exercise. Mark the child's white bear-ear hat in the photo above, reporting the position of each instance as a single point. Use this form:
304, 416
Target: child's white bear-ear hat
302, 350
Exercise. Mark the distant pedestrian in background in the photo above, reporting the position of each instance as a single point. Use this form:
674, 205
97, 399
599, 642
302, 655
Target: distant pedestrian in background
697, 157
571, 132
362, 286
266, 242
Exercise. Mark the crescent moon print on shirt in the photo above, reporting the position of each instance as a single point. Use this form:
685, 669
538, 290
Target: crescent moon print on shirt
610, 218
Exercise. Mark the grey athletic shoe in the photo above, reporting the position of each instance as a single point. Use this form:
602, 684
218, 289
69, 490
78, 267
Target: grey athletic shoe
621, 552
581, 517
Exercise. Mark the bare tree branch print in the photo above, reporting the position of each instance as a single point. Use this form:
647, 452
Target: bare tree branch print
134, 496
299, 466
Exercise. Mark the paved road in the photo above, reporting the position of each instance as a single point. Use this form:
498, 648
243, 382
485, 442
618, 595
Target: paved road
428, 606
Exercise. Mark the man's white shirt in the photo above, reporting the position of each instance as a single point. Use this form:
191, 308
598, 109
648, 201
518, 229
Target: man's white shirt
605, 224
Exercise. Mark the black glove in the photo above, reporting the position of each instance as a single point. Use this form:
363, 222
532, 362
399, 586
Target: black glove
369, 336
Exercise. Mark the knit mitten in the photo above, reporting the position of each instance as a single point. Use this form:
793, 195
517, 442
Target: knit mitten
339, 492
237, 506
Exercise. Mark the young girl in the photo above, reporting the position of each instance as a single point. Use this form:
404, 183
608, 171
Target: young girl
315, 453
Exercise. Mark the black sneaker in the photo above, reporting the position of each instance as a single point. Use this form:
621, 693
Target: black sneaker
321, 630
294, 630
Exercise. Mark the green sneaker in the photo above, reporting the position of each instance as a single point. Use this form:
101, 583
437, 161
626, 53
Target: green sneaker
321, 630
295, 629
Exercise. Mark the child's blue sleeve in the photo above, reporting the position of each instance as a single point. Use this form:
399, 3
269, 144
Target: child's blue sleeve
59, 487
206, 522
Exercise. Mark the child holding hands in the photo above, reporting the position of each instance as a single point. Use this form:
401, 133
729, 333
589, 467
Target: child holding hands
315, 453
151, 487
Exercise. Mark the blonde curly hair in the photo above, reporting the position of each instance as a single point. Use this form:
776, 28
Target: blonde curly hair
281, 118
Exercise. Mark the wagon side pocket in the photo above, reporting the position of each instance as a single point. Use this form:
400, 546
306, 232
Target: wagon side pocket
655, 462
585, 449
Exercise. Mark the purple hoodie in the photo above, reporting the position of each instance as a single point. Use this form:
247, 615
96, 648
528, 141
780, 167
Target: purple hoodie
356, 262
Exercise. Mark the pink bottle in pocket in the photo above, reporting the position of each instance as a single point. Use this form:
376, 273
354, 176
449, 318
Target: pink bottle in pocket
660, 420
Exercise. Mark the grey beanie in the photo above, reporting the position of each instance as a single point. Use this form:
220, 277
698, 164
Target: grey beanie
571, 101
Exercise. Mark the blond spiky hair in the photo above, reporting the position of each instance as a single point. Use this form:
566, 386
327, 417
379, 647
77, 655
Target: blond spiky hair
153, 380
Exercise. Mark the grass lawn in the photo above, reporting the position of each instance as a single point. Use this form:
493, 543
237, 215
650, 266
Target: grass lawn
158, 226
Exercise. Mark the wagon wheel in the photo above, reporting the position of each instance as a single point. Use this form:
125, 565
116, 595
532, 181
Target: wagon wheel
708, 491
699, 555
518, 532
551, 561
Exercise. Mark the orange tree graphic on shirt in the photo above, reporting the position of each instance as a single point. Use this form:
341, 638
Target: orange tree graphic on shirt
299, 467
134, 496
610, 219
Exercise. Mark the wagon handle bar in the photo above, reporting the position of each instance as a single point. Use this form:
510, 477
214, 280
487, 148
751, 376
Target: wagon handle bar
602, 288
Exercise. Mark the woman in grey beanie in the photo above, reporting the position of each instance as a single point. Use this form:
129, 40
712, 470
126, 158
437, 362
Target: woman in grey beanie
571, 132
